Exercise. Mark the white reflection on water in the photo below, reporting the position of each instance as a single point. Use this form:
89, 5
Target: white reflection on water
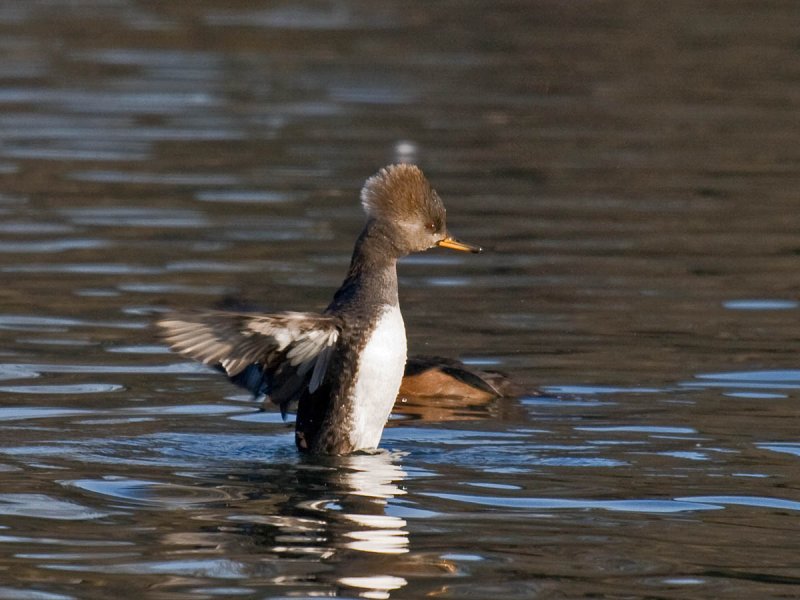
354, 511
364, 485
376, 586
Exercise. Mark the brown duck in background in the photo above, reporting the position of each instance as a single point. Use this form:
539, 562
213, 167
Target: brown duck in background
436, 376
435, 388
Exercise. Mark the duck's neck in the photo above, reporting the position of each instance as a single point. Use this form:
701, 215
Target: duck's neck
372, 276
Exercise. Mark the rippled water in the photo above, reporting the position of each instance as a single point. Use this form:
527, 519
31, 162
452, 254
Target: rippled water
632, 168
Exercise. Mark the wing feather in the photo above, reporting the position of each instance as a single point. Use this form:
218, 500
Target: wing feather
289, 350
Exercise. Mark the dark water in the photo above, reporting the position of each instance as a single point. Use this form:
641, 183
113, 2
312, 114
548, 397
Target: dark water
633, 168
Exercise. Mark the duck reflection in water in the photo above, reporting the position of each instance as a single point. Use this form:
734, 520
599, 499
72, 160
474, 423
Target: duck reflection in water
336, 521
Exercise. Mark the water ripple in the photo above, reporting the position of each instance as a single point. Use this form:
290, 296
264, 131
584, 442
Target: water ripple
45, 507
149, 493
86, 268
125, 216
20, 413
31, 370
243, 196
73, 154
651, 429
52, 246
761, 304
752, 501
74, 388
780, 376
215, 568
178, 179
26, 322
107, 102
636, 505
783, 447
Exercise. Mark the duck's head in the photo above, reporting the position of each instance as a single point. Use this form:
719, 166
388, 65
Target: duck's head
400, 200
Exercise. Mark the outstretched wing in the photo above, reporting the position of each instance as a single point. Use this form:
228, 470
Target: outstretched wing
277, 355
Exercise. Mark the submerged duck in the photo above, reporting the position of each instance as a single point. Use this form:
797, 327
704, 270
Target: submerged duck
342, 369
440, 377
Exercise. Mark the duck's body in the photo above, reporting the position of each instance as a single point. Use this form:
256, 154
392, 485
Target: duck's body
349, 414
342, 368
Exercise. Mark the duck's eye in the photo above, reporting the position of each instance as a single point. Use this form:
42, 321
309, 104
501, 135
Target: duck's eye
431, 226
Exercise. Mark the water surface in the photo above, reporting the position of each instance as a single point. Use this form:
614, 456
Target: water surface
631, 168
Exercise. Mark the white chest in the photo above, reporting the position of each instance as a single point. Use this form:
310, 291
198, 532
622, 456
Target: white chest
380, 372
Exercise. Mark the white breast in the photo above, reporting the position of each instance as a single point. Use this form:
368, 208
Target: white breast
380, 372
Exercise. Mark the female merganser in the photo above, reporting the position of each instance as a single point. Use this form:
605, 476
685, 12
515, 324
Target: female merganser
342, 369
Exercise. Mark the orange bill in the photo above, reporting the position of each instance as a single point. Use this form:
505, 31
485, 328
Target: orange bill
454, 244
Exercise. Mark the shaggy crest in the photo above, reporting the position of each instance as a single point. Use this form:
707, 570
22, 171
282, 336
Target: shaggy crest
398, 192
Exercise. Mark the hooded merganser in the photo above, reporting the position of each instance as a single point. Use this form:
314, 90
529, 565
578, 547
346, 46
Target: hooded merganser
341, 369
